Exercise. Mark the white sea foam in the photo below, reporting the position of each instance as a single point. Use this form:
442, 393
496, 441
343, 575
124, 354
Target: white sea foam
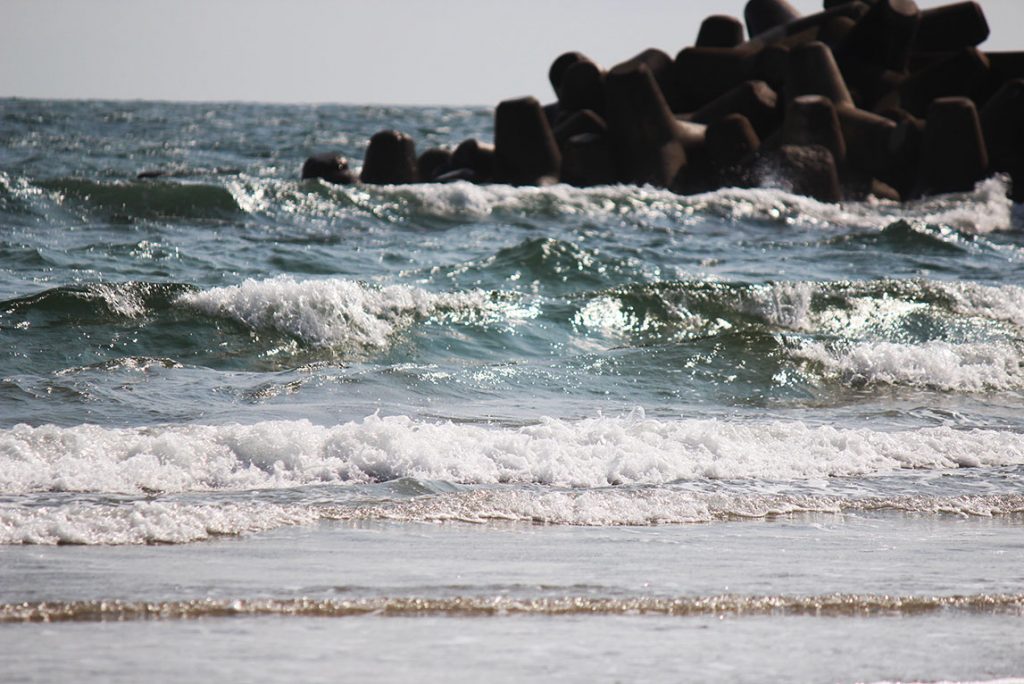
167, 522
462, 200
335, 312
586, 453
985, 209
975, 367
656, 506
999, 303
143, 522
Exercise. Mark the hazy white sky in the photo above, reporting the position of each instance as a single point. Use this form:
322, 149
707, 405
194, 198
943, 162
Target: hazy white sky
346, 51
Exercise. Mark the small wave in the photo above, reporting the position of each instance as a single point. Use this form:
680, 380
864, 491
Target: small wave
985, 209
125, 363
337, 313
145, 199
466, 201
658, 506
977, 367
827, 605
845, 309
170, 522
144, 522
345, 316
916, 237
130, 299
588, 453
550, 261
854, 308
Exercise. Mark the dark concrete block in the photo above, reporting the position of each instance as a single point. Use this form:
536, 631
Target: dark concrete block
755, 100
961, 74
867, 140
582, 88
731, 140
703, 74
771, 65
764, 15
329, 166
836, 31
806, 29
560, 65
1017, 185
953, 158
583, 121
720, 31
433, 163
805, 170
1006, 65
904, 151
476, 156
1002, 123
646, 141
951, 27
884, 35
587, 161
662, 68
525, 149
829, 4
813, 71
812, 120
390, 159
698, 175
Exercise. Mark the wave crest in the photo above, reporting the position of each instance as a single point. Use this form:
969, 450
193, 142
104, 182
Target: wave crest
589, 453
934, 365
335, 312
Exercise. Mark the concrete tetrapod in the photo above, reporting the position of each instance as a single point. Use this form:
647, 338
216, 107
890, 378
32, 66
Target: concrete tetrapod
390, 159
525, 151
329, 166
720, 31
953, 158
647, 144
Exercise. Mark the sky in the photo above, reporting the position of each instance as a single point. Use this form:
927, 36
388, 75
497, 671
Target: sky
455, 52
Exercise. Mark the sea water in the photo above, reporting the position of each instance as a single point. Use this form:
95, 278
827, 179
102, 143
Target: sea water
255, 428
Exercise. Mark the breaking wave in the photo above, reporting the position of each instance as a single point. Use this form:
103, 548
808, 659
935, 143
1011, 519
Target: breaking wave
588, 453
985, 209
333, 313
158, 522
933, 365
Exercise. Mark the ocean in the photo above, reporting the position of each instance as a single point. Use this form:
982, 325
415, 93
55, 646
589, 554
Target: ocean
260, 429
